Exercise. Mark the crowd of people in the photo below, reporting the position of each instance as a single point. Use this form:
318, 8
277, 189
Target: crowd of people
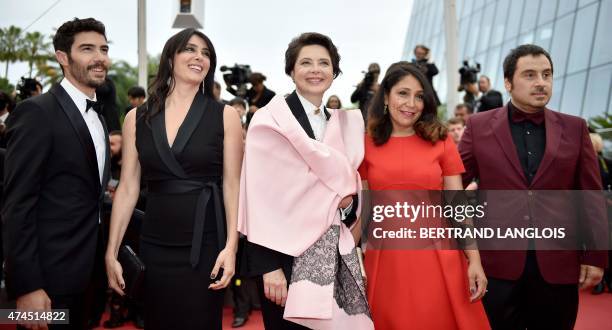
263, 192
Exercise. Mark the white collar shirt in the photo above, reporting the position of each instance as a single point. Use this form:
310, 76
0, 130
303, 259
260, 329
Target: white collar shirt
318, 122
94, 125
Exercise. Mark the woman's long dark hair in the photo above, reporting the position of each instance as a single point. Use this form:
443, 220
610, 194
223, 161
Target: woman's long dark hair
163, 84
428, 126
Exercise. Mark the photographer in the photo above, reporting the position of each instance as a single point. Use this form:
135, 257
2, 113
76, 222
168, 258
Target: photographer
490, 99
27, 88
421, 60
468, 83
257, 96
237, 78
366, 89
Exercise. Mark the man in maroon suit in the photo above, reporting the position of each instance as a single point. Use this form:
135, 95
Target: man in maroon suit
526, 148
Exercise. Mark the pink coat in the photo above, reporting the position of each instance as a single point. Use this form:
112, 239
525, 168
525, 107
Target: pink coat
290, 189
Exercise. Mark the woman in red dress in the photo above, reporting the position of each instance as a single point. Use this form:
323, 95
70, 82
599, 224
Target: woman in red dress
407, 148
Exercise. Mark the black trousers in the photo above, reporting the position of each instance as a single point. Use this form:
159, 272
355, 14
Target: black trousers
241, 296
530, 302
241, 284
96, 294
273, 313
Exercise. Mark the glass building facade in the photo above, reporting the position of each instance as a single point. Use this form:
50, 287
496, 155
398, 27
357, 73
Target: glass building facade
577, 34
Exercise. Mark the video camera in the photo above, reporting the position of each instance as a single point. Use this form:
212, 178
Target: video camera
238, 76
26, 87
469, 74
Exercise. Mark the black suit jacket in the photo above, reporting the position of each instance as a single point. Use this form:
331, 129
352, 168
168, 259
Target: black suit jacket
53, 196
260, 259
489, 101
106, 96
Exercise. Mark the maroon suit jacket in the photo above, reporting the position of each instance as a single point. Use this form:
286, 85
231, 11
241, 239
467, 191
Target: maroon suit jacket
569, 163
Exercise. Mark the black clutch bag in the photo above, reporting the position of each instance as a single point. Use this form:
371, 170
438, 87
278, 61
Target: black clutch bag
133, 270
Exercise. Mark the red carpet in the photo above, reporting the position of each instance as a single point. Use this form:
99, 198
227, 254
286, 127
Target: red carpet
255, 321
595, 313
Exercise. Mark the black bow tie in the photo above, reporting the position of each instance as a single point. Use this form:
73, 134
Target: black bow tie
93, 105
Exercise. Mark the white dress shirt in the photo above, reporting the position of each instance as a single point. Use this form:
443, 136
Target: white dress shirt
96, 130
318, 122
3, 118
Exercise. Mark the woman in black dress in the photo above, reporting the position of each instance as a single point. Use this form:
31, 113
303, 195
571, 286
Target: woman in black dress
188, 149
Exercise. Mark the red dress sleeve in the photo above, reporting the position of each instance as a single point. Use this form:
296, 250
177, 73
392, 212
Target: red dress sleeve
450, 162
363, 168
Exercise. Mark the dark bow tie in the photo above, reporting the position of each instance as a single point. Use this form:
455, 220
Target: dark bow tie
519, 116
93, 105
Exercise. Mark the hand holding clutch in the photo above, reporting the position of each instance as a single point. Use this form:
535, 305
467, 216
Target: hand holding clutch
126, 273
114, 273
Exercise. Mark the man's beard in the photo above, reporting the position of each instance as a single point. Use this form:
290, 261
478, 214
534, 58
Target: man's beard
81, 74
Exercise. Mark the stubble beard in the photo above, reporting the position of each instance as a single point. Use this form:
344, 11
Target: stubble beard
81, 73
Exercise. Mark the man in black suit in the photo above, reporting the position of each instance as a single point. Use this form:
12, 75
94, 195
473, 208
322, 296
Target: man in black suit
490, 98
56, 169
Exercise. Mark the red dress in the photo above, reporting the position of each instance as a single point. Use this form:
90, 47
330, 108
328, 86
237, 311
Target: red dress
417, 289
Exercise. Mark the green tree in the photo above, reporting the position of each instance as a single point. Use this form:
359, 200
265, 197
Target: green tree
124, 76
49, 71
35, 49
39, 53
442, 113
6, 86
152, 68
601, 122
11, 46
603, 126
